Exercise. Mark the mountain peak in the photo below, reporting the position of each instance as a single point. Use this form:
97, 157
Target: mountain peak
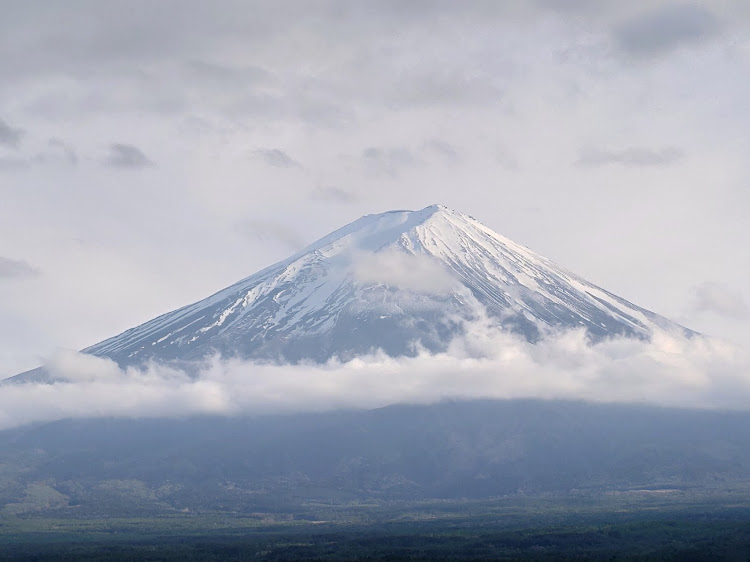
436, 207
399, 282
371, 232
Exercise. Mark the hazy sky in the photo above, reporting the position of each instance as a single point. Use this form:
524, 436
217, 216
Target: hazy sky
154, 152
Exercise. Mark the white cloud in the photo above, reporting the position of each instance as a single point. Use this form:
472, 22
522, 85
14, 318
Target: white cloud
670, 370
405, 271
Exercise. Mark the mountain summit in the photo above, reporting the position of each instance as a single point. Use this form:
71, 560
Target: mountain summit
399, 282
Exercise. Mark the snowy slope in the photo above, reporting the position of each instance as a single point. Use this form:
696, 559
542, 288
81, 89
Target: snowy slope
393, 281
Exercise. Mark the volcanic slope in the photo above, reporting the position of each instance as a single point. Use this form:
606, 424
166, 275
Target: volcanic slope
399, 282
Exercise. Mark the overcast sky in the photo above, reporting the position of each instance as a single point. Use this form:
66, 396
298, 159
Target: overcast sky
152, 153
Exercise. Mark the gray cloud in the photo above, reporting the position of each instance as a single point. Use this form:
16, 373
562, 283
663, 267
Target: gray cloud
333, 194
188, 56
188, 29
440, 85
565, 6
276, 157
16, 269
67, 150
443, 149
666, 28
12, 163
632, 157
55, 151
387, 161
225, 75
718, 298
10, 136
270, 230
507, 160
127, 156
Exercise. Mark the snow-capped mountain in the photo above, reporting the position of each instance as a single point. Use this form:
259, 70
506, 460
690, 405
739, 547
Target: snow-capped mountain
397, 281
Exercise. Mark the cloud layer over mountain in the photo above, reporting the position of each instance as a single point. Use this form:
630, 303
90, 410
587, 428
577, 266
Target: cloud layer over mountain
670, 370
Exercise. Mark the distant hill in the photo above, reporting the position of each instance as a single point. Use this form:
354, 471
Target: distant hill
450, 450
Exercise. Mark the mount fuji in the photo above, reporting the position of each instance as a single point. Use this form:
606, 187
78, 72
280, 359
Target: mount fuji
399, 282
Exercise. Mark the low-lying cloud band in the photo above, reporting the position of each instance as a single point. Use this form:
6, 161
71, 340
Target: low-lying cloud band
669, 370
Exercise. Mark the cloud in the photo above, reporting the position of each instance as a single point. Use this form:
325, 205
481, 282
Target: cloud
399, 269
127, 156
443, 149
270, 230
665, 29
670, 370
717, 298
11, 163
630, 157
10, 136
67, 150
387, 161
333, 194
228, 76
276, 157
55, 151
16, 269
507, 160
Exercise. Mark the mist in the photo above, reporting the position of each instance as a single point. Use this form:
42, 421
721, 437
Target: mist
668, 370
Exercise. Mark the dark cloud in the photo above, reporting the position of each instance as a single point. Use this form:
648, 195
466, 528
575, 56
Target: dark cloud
631, 157
276, 157
387, 161
127, 156
718, 298
16, 269
665, 29
333, 194
10, 136
271, 230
